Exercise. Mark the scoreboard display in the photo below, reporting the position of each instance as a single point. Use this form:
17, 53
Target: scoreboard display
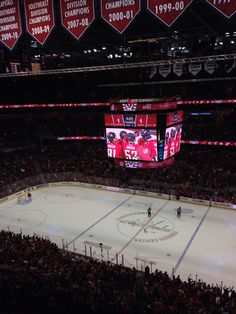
141, 139
172, 141
131, 120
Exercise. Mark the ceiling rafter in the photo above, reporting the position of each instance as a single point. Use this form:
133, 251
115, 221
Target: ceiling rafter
123, 66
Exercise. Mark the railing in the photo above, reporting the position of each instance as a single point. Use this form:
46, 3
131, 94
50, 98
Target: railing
96, 250
124, 66
105, 253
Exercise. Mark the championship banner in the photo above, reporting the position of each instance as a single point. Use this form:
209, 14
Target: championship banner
10, 23
178, 69
77, 16
195, 68
168, 11
119, 14
210, 66
230, 66
153, 72
164, 70
39, 16
226, 7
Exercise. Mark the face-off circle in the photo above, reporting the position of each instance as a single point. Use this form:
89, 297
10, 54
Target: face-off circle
65, 196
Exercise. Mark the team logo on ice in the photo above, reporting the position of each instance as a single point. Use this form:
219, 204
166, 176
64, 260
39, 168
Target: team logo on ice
158, 229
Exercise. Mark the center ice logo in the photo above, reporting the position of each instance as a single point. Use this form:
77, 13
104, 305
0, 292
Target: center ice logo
158, 229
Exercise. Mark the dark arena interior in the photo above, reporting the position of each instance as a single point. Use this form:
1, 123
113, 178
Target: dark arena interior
128, 104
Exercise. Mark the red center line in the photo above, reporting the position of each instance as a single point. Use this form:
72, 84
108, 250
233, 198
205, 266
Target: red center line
146, 223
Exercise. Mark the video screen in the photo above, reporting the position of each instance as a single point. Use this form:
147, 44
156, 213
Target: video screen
132, 144
172, 140
174, 117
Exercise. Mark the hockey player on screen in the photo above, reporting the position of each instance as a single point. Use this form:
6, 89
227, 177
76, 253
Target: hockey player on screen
113, 146
130, 148
169, 149
120, 142
123, 137
178, 138
172, 142
147, 148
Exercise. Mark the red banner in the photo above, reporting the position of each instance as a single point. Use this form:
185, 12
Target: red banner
119, 14
168, 11
126, 107
226, 7
76, 16
10, 23
28, 106
206, 102
39, 17
215, 143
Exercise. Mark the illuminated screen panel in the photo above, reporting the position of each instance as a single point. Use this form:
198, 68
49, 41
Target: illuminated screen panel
132, 144
174, 117
131, 120
144, 164
172, 140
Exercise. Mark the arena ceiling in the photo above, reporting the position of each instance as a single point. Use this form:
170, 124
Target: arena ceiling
200, 30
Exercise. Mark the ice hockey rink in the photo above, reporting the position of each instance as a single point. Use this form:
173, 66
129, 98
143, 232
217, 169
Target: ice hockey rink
114, 226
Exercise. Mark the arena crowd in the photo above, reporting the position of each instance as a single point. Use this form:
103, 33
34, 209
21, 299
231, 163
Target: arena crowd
198, 172
36, 277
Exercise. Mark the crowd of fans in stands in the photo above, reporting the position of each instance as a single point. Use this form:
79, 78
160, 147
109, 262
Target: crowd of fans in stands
217, 126
29, 148
200, 173
36, 277
212, 125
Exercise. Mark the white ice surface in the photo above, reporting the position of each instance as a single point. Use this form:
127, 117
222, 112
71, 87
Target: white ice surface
201, 243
